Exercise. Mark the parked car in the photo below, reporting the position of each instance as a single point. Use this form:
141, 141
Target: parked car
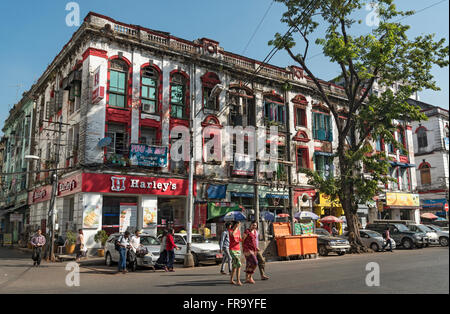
202, 249
326, 243
442, 234
151, 243
400, 233
372, 239
433, 237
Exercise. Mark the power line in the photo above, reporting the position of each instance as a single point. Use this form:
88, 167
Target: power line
257, 27
400, 19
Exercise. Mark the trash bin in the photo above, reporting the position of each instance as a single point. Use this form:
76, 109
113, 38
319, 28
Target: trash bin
287, 245
308, 244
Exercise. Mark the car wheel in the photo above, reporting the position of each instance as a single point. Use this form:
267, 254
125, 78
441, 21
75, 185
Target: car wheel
108, 260
195, 257
341, 253
407, 244
375, 247
443, 241
323, 250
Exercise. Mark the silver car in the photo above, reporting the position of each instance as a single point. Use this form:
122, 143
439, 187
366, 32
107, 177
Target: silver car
433, 238
151, 243
373, 240
442, 234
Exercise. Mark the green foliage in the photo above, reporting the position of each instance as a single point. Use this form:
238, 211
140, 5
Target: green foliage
383, 58
71, 237
101, 237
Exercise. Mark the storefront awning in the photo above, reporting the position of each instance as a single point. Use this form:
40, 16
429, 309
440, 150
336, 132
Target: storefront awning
323, 154
242, 194
277, 196
402, 164
217, 191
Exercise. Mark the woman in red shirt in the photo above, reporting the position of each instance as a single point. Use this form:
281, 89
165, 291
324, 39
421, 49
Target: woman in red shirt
250, 250
235, 252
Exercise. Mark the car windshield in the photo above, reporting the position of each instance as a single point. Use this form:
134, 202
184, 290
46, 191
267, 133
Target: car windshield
424, 228
323, 232
435, 228
372, 234
149, 240
402, 228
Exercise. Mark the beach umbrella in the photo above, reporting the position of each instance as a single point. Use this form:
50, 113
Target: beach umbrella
305, 214
267, 216
330, 219
234, 216
429, 216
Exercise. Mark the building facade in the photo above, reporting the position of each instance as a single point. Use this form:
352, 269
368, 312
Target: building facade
431, 142
113, 107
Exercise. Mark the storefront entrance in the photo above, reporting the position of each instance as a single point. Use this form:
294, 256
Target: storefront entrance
171, 213
111, 211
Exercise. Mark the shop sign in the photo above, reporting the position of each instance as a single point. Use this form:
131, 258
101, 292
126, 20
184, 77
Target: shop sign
91, 215
104, 183
436, 203
150, 216
243, 166
128, 216
7, 238
402, 199
16, 217
40, 194
148, 156
213, 230
69, 185
324, 201
98, 92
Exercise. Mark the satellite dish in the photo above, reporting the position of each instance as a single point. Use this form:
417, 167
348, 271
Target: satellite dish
104, 142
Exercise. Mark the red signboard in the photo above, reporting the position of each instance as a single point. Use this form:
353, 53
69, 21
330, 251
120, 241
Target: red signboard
41, 194
107, 183
446, 207
69, 185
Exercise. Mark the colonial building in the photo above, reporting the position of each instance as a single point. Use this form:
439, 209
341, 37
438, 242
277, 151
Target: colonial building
431, 143
115, 103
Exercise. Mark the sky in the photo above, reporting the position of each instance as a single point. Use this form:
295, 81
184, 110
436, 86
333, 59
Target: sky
33, 32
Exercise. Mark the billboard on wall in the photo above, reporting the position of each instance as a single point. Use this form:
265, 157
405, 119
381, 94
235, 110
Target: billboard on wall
92, 207
148, 156
402, 199
128, 216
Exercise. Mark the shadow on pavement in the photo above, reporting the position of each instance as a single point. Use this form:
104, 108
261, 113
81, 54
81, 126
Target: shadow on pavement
205, 283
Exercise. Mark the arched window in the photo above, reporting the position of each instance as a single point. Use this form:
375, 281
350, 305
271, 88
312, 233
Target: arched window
149, 90
118, 72
178, 96
422, 140
425, 173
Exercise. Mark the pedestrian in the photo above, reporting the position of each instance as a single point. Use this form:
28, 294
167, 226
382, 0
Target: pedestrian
260, 257
170, 246
225, 248
250, 249
79, 245
334, 231
387, 237
124, 244
161, 263
135, 245
38, 241
235, 252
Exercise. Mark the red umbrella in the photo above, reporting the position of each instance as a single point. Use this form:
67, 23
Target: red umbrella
429, 216
283, 215
330, 219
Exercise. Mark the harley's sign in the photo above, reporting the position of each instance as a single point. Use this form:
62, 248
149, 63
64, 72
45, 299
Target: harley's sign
104, 183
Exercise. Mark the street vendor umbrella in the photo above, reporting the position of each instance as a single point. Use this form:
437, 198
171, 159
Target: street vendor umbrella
267, 216
429, 216
330, 219
234, 216
283, 215
305, 214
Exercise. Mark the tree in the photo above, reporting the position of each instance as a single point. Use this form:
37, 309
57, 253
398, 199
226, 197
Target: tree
386, 57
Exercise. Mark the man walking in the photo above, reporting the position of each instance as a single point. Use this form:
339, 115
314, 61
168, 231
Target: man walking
387, 237
38, 241
225, 248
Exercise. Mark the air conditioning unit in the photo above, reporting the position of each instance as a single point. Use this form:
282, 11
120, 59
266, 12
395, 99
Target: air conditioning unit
146, 108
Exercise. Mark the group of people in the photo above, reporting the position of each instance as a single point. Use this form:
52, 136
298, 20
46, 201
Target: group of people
128, 246
230, 246
167, 251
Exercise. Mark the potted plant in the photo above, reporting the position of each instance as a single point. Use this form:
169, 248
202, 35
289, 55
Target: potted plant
101, 237
71, 238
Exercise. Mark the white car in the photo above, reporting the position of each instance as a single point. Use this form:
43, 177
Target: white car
202, 249
151, 243
372, 239
442, 234
433, 238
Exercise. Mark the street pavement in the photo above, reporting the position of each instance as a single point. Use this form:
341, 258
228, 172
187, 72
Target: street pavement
404, 271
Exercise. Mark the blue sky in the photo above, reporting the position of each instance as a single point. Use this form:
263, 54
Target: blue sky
33, 32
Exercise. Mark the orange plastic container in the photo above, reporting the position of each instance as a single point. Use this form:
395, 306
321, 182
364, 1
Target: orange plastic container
287, 244
308, 244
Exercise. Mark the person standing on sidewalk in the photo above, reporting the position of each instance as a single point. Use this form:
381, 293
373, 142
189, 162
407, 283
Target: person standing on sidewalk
124, 244
225, 248
161, 263
79, 245
260, 257
38, 241
170, 246
235, 252
387, 237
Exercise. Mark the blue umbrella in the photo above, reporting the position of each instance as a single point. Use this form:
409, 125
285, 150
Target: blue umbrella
267, 216
234, 216
305, 214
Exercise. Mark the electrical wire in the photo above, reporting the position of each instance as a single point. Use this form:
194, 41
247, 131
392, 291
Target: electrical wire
257, 27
